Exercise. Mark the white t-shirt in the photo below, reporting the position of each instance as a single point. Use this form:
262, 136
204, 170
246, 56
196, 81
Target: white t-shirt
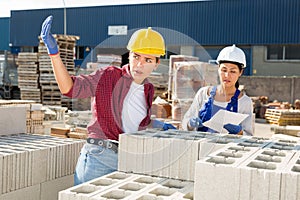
244, 106
134, 108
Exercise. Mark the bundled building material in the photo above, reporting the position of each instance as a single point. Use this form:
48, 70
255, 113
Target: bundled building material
28, 160
28, 76
173, 59
188, 78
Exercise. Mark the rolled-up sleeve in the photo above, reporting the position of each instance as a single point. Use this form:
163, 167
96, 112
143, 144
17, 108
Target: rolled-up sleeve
85, 85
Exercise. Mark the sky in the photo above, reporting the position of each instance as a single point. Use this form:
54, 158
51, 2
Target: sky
7, 5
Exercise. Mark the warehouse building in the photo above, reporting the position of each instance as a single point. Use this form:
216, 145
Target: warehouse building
268, 31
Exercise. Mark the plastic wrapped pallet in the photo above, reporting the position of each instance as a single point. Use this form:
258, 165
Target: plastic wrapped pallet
190, 76
173, 59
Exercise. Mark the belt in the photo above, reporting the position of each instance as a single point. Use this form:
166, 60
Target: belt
104, 143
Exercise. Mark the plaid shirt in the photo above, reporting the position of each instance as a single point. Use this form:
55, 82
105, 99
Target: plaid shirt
108, 88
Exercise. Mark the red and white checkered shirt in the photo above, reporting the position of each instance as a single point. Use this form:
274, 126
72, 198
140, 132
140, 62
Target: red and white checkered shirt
108, 88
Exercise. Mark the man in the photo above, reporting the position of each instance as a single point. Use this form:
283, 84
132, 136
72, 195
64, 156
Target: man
121, 99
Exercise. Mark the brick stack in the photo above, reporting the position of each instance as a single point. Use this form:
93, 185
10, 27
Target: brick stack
249, 173
173, 59
32, 164
188, 78
34, 114
28, 76
169, 164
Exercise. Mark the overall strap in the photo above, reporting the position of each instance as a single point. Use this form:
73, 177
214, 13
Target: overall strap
210, 102
234, 102
213, 92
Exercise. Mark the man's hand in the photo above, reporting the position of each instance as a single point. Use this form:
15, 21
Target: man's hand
162, 125
47, 37
233, 129
195, 122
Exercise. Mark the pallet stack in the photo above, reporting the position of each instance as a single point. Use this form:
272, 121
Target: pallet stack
28, 76
283, 117
50, 94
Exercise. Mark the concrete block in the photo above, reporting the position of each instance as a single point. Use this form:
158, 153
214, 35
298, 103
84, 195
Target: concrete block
13, 120
215, 142
6, 170
290, 180
283, 145
130, 188
87, 190
50, 189
158, 150
122, 153
255, 142
218, 172
28, 193
1, 170
263, 172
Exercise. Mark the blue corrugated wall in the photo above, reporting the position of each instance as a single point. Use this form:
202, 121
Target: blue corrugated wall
4, 34
220, 22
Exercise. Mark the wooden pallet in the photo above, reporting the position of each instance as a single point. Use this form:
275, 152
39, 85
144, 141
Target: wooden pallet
283, 117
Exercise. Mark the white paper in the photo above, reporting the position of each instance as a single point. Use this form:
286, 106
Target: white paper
223, 117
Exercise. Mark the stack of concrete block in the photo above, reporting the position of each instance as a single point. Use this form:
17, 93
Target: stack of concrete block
290, 179
128, 186
189, 77
30, 160
173, 59
170, 154
245, 172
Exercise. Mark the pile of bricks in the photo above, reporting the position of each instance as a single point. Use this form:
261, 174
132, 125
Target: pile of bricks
187, 76
217, 166
238, 172
29, 162
28, 76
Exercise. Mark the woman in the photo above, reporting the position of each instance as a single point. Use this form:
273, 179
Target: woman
210, 99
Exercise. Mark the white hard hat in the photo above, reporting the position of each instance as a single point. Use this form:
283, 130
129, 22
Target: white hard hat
232, 54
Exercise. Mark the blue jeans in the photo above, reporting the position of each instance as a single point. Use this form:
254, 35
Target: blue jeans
94, 161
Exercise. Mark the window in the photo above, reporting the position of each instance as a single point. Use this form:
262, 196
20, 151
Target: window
79, 52
283, 52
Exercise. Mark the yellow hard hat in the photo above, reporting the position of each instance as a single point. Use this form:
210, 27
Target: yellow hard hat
147, 41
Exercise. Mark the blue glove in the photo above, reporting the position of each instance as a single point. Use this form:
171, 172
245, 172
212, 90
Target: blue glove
47, 37
162, 125
195, 122
233, 129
